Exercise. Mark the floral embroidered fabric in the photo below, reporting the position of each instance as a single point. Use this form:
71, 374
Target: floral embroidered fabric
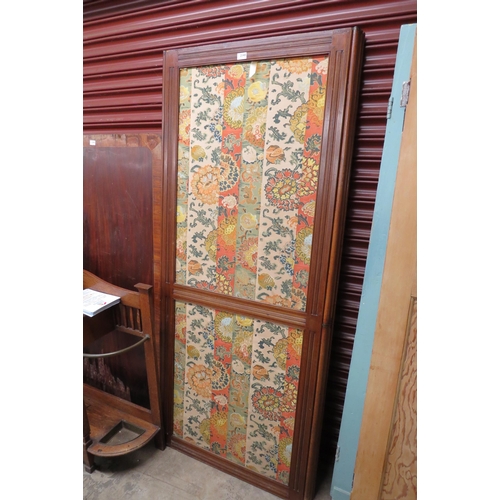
248, 162
235, 387
248, 159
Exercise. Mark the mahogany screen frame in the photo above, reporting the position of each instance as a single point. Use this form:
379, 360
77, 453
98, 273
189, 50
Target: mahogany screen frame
345, 50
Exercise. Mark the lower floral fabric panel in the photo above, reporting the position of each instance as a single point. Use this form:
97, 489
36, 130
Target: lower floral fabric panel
235, 387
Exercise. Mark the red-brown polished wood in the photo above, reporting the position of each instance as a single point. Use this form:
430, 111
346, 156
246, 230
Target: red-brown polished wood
105, 412
122, 178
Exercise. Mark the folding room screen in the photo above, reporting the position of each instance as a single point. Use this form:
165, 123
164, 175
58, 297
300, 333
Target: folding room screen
257, 148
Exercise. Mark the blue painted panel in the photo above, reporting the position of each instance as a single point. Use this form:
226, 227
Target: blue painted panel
363, 342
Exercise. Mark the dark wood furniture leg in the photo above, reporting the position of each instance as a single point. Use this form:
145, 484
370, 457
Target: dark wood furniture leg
88, 459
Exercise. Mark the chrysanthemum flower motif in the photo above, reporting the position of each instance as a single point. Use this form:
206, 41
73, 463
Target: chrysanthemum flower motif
234, 106
224, 324
205, 184
266, 401
257, 91
282, 189
199, 378
247, 254
219, 420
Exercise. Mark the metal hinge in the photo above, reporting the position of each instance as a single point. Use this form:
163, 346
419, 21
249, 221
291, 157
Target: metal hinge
389, 107
405, 93
337, 454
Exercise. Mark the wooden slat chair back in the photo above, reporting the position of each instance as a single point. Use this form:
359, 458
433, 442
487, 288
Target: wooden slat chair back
105, 414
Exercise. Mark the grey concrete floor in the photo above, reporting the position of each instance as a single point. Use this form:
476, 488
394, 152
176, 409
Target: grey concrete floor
151, 474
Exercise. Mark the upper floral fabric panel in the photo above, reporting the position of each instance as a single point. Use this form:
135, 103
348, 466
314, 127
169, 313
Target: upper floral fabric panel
248, 160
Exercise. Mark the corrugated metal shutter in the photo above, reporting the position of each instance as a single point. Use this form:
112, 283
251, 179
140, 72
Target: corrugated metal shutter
122, 69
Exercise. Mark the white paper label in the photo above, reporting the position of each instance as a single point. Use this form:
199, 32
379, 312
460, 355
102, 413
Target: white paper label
241, 55
92, 142
252, 69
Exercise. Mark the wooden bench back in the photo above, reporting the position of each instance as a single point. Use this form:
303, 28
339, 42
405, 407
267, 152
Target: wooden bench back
135, 310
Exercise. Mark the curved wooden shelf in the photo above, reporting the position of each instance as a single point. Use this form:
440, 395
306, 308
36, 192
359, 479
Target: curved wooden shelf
115, 432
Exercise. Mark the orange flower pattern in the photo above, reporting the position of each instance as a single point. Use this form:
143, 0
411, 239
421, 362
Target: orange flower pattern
248, 165
235, 387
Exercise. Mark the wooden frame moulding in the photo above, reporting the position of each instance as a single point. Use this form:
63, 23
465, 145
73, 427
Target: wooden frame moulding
344, 49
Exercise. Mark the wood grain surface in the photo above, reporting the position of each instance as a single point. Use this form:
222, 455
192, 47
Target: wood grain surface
400, 480
397, 290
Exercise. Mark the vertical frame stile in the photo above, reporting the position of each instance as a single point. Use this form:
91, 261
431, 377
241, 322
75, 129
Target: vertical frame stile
349, 126
352, 60
171, 92
341, 46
